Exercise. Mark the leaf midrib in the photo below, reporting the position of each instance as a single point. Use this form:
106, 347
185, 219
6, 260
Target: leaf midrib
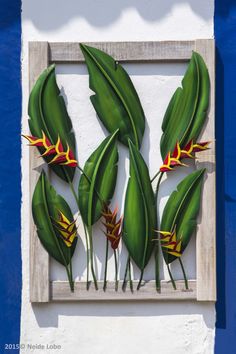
145, 205
90, 202
196, 102
49, 222
118, 93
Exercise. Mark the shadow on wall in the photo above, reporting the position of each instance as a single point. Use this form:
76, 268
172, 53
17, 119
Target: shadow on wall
100, 14
47, 315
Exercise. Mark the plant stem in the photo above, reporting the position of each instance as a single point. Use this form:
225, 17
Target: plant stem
184, 274
87, 254
125, 276
105, 271
171, 277
157, 245
91, 256
71, 276
157, 266
153, 178
116, 270
130, 278
140, 279
85, 231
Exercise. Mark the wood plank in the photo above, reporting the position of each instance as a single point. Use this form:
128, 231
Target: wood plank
206, 243
60, 291
39, 259
70, 52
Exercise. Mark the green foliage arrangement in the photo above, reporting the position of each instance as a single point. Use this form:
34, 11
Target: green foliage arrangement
118, 106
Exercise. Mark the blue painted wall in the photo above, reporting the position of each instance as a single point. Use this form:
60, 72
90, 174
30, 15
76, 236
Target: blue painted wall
225, 34
10, 194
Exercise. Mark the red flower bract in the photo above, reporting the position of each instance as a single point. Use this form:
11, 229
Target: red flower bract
113, 227
65, 158
174, 159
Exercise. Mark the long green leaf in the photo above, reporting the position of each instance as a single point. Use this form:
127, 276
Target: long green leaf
140, 218
48, 113
97, 185
115, 101
187, 110
181, 211
46, 204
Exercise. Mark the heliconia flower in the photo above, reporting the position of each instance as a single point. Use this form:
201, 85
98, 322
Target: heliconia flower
170, 243
174, 159
63, 157
41, 142
66, 229
191, 148
113, 227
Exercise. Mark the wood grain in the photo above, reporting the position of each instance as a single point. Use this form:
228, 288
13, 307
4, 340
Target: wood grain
70, 52
60, 291
206, 243
39, 259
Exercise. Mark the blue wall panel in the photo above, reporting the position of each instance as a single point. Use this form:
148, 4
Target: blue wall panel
225, 34
10, 194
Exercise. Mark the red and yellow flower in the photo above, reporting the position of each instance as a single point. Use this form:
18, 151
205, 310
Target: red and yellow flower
170, 243
113, 227
41, 142
174, 159
66, 229
61, 157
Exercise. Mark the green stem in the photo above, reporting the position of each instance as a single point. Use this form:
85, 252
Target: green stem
86, 236
105, 271
140, 279
184, 274
91, 256
157, 245
116, 271
87, 254
157, 266
130, 278
125, 276
171, 277
71, 276
153, 178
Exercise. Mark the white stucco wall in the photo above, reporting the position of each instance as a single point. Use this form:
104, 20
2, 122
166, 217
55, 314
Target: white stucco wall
164, 328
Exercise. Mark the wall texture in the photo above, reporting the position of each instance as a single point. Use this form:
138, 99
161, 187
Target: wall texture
111, 327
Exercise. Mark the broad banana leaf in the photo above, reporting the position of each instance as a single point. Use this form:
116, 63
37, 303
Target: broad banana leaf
46, 205
140, 216
116, 101
180, 214
98, 182
48, 113
187, 110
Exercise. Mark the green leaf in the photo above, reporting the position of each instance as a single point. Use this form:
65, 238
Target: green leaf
140, 218
46, 204
187, 110
98, 182
48, 113
115, 101
181, 211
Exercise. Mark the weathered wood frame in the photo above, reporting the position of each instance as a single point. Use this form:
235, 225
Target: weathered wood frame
41, 54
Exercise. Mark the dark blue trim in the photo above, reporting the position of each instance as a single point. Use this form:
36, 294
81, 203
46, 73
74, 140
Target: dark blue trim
10, 192
225, 34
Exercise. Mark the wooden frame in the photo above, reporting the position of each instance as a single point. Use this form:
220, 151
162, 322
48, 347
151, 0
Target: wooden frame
41, 54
